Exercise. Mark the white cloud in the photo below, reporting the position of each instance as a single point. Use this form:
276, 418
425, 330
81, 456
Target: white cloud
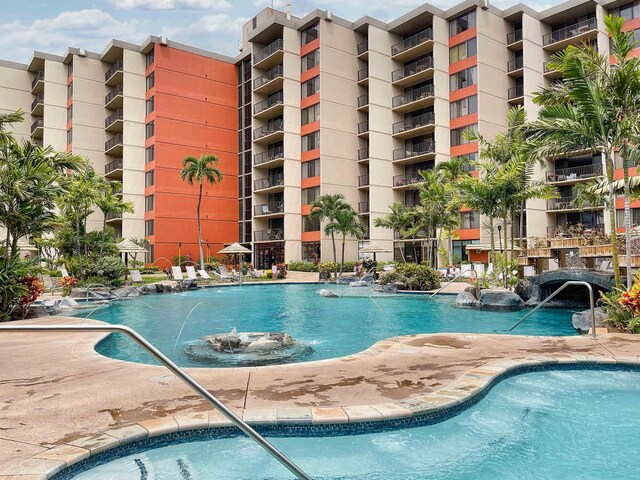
171, 4
217, 32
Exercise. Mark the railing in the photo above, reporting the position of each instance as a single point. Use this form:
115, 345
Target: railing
116, 67
113, 216
111, 166
363, 47
115, 116
515, 92
267, 235
39, 123
404, 180
410, 123
275, 72
412, 69
270, 49
414, 150
547, 69
276, 99
267, 156
269, 182
563, 230
412, 41
548, 299
363, 100
363, 180
413, 96
363, 127
117, 90
574, 173
565, 203
268, 208
363, 73
271, 127
39, 99
569, 32
39, 77
471, 273
411, 202
515, 64
178, 372
363, 153
113, 141
514, 36
363, 207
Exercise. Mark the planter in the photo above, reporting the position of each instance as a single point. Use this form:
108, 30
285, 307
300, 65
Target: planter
570, 242
595, 251
603, 250
524, 261
539, 253
635, 261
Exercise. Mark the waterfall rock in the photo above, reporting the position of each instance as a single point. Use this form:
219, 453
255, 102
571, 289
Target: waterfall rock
327, 293
467, 299
247, 342
388, 288
345, 280
582, 320
500, 299
524, 289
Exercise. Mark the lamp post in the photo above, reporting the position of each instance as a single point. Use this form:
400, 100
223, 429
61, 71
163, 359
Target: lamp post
179, 253
208, 252
500, 237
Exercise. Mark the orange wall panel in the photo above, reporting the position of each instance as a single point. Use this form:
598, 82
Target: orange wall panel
311, 100
310, 128
467, 234
463, 93
463, 121
463, 64
310, 155
310, 47
464, 149
310, 236
310, 182
462, 37
313, 72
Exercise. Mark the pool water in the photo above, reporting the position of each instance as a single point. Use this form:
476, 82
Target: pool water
553, 425
325, 327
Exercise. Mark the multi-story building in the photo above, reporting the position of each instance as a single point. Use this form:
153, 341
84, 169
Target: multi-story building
323, 106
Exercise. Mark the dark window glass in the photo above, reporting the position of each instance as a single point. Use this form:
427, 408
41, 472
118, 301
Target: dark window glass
310, 60
149, 178
463, 79
151, 105
151, 81
150, 154
149, 58
310, 87
311, 141
310, 114
310, 225
309, 34
148, 203
150, 130
462, 23
311, 169
149, 228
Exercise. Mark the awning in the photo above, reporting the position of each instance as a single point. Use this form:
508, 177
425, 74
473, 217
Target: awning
373, 248
483, 247
127, 246
235, 248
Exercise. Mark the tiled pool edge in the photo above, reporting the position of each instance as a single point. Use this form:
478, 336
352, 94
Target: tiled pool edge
64, 461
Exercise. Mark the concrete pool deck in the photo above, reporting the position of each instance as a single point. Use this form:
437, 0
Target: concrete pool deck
60, 401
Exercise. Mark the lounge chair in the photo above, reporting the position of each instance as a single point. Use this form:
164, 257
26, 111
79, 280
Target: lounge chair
253, 273
64, 272
191, 272
204, 275
48, 283
176, 273
529, 271
224, 273
135, 276
466, 269
479, 268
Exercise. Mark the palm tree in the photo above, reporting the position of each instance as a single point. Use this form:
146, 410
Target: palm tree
325, 208
345, 222
8, 119
400, 220
111, 203
198, 170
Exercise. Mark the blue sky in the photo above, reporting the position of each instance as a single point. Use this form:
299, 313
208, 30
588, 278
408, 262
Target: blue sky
52, 26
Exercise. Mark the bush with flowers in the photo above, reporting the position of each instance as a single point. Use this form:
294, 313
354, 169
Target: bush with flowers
623, 307
33, 288
67, 283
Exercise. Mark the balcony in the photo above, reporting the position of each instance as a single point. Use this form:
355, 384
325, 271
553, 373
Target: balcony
113, 100
269, 108
514, 39
563, 230
574, 174
37, 107
269, 56
363, 50
113, 146
114, 75
573, 34
550, 73
414, 126
363, 155
113, 123
413, 46
114, 169
273, 209
363, 129
411, 202
363, 208
413, 100
363, 181
37, 84
415, 153
565, 204
269, 159
515, 66
363, 102
269, 184
363, 76
271, 235
270, 82
113, 217
407, 181
272, 132
37, 128
413, 73
515, 94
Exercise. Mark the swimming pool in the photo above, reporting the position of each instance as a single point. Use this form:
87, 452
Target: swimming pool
325, 327
554, 425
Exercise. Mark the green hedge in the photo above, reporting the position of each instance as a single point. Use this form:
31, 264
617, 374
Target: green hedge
413, 276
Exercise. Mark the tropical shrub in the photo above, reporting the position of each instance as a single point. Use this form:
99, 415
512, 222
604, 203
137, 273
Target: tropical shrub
303, 266
109, 268
12, 289
623, 307
413, 276
67, 284
150, 270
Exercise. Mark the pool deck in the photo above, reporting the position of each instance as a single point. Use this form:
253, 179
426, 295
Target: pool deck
60, 401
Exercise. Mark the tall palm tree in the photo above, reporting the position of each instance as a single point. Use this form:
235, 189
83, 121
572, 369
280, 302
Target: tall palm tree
7, 137
400, 220
346, 223
325, 208
111, 202
196, 170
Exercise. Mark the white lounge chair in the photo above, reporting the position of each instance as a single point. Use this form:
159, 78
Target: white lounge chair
253, 273
64, 272
191, 272
553, 265
224, 273
176, 273
135, 276
465, 268
479, 268
204, 274
529, 271
490, 269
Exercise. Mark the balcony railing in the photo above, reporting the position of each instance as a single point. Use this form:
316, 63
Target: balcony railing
111, 166
271, 127
113, 141
113, 94
268, 50
515, 92
406, 179
363, 127
514, 36
428, 118
412, 41
363, 207
569, 32
275, 72
269, 182
565, 203
363, 47
414, 150
515, 64
363, 100
39, 99
363, 153
563, 230
268, 208
113, 216
575, 173
268, 156
273, 234
413, 96
276, 99
39, 77
39, 123
412, 69
115, 116
363, 180
116, 67
411, 202
363, 73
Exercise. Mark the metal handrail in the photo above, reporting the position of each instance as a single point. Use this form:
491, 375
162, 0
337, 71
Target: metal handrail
178, 372
565, 285
475, 276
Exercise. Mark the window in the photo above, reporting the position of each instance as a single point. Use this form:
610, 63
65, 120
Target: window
310, 251
311, 141
151, 256
69, 136
70, 91
310, 60
463, 79
151, 81
310, 225
150, 154
311, 114
311, 169
70, 68
471, 158
463, 107
151, 105
459, 250
310, 195
458, 135
149, 178
309, 34
462, 51
149, 228
149, 58
150, 129
69, 113
635, 217
148, 203
469, 220
310, 87
462, 23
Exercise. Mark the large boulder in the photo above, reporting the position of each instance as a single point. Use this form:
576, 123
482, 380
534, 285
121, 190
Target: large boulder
524, 289
582, 320
388, 288
241, 342
467, 299
347, 279
126, 292
499, 299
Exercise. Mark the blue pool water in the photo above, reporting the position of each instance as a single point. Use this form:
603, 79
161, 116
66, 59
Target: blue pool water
325, 327
553, 425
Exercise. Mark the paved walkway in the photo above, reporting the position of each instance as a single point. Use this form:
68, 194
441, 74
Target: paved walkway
61, 401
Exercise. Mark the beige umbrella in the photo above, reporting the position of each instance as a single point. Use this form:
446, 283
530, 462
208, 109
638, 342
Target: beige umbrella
236, 249
126, 246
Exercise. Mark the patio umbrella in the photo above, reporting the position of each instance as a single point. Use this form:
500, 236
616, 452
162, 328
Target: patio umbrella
236, 249
126, 246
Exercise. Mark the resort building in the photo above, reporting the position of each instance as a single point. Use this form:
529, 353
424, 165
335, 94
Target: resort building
324, 105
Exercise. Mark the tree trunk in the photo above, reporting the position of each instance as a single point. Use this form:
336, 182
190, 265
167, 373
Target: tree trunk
200, 233
627, 219
335, 255
492, 250
450, 246
342, 257
521, 226
504, 252
612, 219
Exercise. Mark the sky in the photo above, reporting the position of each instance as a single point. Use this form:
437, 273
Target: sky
53, 26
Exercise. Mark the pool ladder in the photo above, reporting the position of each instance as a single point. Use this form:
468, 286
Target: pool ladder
178, 372
470, 271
